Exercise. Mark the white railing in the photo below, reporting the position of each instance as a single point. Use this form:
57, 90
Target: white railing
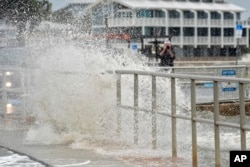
124, 22
215, 40
188, 22
203, 40
229, 22
241, 125
174, 22
228, 40
188, 40
202, 22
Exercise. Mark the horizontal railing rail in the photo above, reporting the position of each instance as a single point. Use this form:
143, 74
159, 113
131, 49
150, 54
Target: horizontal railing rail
242, 125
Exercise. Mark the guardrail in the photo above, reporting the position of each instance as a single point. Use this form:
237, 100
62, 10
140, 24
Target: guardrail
242, 126
241, 71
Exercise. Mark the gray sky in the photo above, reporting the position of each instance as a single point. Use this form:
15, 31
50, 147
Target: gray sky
57, 4
245, 4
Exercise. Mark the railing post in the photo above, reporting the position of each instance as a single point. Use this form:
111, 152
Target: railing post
173, 118
194, 130
136, 87
118, 102
154, 125
242, 117
216, 126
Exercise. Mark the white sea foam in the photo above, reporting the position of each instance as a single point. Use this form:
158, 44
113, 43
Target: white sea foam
15, 160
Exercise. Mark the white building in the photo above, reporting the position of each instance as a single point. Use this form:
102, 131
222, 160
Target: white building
7, 35
76, 7
199, 27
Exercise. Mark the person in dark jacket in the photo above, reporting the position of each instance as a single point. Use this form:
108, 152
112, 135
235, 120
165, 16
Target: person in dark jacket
167, 56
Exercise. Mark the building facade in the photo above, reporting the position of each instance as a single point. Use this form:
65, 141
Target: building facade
198, 27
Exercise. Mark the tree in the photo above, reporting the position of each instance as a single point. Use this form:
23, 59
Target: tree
24, 13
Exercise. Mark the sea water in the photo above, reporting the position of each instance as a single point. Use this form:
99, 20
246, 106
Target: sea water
72, 96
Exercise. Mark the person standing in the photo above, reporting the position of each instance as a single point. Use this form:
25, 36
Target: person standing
167, 56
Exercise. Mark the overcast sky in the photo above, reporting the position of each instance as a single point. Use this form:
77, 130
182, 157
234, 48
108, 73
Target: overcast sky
245, 4
57, 4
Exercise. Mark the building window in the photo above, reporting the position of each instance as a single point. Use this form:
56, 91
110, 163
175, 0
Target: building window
123, 14
202, 15
238, 16
188, 31
244, 32
228, 15
155, 31
219, 1
173, 14
119, 6
215, 15
228, 32
210, 1
150, 13
194, 0
159, 13
135, 32
188, 15
144, 13
174, 31
203, 32
215, 32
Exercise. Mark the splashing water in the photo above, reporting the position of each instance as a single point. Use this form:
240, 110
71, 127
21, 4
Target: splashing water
73, 97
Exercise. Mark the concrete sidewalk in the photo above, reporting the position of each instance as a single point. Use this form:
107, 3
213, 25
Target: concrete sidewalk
56, 155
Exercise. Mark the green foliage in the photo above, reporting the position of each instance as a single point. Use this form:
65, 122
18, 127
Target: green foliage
81, 24
21, 12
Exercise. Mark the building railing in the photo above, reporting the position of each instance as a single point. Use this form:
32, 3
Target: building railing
215, 22
116, 22
202, 22
241, 126
188, 22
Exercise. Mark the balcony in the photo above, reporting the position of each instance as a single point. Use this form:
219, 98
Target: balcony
216, 40
203, 40
228, 40
188, 22
243, 41
121, 22
151, 21
176, 40
229, 23
202, 22
188, 40
215, 22
125, 22
174, 22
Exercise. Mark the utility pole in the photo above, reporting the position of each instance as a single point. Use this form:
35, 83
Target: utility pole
238, 35
107, 30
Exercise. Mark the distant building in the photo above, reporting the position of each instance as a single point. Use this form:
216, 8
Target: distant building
7, 35
199, 27
75, 7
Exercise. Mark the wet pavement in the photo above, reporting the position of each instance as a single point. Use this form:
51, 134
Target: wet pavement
53, 155
16, 153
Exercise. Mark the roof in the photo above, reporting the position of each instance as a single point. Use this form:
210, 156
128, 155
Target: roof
81, 1
173, 5
70, 3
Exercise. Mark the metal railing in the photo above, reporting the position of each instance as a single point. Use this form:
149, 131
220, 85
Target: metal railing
242, 125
